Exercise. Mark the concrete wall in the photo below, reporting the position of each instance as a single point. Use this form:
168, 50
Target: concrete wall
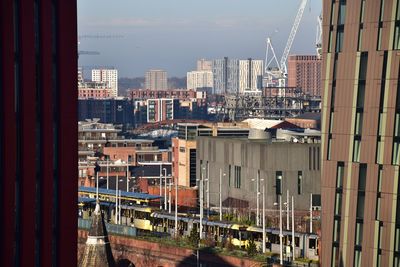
268, 158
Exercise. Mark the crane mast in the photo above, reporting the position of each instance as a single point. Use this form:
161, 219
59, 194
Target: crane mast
292, 35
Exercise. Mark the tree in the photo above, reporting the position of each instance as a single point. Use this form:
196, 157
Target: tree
194, 237
251, 248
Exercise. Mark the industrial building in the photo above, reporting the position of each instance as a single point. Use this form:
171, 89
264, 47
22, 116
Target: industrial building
246, 164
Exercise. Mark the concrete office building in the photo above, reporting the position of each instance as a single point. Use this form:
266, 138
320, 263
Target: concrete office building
250, 75
361, 137
199, 80
108, 76
283, 166
156, 80
304, 71
204, 65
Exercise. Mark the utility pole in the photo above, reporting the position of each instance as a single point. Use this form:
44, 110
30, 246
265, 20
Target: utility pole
311, 218
169, 197
220, 194
208, 197
201, 206
116, 200
280, 230
176, 208
165, 189
258, 199
263, 217
160, 186
97, 186
127, 176
293, 243
287, 210
107, 174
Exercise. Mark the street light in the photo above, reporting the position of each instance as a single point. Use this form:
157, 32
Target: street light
165, 188
169, 197
160, 186
258, 200
220, 193
263, 214
280, 229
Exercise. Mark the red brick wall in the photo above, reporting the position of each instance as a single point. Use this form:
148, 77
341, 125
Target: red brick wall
144, 253
187, 196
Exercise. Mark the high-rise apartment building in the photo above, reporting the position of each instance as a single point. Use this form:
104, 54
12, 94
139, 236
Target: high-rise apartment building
156, 80
250, 75
38, 133
199, 80
161, 109
361, 136
226, 76
304, 71
109, 76
204, 65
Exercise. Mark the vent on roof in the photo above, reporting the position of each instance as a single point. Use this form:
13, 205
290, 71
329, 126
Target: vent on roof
257, 134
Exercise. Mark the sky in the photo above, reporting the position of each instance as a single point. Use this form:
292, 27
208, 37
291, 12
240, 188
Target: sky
173, 34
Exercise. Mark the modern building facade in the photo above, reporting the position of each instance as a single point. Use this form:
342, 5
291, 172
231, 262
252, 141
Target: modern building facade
199, 80
112, 110
247, 164
108, 76
161, 109
250, 75
360, 122
304, 71
156, 80
38, 133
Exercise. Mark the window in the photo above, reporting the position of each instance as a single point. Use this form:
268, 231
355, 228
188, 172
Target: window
278, 183
339, 38
342, 12
238, 178
378, 193
356, 148
357, 258
300, 182
229, 175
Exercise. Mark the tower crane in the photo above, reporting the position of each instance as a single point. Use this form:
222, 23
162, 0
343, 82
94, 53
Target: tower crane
318, 38
280, 71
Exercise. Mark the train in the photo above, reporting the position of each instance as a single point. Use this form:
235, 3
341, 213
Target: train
152, 220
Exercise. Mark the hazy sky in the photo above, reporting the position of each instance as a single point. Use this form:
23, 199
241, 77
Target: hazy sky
173, 34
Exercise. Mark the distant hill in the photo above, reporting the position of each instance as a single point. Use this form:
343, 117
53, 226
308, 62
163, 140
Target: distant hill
134, 83
176, 83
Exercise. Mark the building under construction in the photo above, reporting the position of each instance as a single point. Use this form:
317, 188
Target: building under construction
272, 102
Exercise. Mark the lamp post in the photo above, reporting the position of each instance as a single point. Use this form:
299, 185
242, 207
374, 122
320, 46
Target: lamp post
280, 229
127, 176
311, 213
220, 193
165, 188
208, 197
160, 186
176, 208
263, 216
169, 197
107, 174
287, 211
116, 199
97, 186
293, 243
201, 205
258, 199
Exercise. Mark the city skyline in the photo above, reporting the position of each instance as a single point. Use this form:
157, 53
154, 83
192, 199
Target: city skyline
173, 36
